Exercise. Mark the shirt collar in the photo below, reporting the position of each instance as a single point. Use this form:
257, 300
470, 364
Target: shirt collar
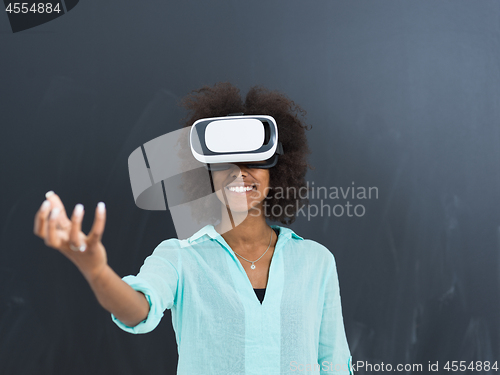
210, 231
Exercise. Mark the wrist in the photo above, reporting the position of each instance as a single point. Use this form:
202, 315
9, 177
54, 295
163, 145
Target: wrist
96, 275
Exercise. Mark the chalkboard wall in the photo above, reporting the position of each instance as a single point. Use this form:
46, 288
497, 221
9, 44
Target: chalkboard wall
402, 96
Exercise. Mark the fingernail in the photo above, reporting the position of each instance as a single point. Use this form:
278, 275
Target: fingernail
54, 213
48, 194
78, 209
101, 206
45, 205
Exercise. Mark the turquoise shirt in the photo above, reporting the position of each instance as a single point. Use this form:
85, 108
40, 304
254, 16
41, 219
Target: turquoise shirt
220, 325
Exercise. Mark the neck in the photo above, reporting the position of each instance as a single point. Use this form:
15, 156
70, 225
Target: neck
249, 231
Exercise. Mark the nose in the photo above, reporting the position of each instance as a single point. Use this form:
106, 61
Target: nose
239, 169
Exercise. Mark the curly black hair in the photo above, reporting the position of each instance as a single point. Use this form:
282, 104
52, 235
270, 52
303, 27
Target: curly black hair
290, 171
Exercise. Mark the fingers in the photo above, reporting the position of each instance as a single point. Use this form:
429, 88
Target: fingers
97, 230
56, 202
76, 243
51, 237
52, 225
41, 218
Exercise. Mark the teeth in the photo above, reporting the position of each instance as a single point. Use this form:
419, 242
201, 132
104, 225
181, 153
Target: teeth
240, 189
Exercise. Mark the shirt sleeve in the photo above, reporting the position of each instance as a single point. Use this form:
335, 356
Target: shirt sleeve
158, 280
334, 356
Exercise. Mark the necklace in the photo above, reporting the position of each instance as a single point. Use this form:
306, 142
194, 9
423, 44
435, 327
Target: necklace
253, 265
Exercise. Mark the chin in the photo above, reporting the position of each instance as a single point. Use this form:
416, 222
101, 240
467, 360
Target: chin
246, 208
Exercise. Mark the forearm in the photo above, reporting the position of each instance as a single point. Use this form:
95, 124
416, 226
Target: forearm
115, 295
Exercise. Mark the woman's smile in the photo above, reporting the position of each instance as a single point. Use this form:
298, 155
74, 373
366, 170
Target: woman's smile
240, 189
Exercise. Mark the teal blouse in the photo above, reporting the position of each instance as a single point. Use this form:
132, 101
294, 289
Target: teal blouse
220, 325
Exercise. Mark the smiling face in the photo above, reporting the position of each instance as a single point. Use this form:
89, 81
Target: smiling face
243, 189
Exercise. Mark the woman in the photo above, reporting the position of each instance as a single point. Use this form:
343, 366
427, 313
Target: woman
256, 299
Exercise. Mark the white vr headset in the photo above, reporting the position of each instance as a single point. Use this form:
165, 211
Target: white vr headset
236, 138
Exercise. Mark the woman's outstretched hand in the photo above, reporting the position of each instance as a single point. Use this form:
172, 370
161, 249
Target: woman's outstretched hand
59, 232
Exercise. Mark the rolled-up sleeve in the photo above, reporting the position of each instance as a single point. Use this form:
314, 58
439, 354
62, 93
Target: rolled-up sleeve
334, 356
158, 280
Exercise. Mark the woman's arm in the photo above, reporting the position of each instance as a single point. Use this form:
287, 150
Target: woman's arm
333, 353
115, 295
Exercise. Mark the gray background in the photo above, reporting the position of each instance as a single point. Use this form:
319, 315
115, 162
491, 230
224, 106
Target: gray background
402, 95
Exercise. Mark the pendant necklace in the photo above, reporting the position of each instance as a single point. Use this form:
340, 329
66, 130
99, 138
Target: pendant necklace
253, 265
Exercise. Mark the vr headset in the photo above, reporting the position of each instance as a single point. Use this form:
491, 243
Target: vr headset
219, 141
